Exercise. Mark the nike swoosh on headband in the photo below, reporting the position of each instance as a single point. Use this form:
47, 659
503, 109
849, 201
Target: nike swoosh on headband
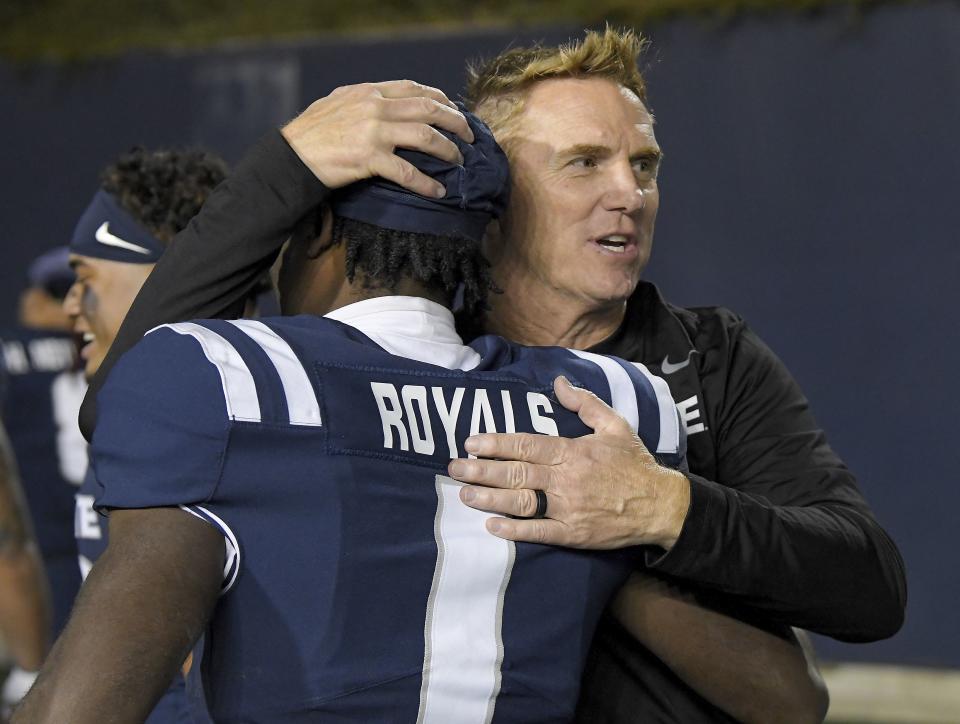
104, 236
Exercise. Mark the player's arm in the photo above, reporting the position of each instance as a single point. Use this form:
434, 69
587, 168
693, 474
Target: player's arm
159, 444
752, 674
24, 599
142, 607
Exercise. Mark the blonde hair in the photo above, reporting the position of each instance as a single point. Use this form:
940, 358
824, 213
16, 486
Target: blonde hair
496, 88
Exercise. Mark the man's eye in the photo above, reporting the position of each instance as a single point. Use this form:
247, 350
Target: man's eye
644, 165
645, 170
584, 162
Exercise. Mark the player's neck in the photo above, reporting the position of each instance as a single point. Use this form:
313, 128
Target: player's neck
360, 289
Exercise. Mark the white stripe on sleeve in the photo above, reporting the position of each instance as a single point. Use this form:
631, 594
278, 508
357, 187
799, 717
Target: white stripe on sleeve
669, 424
623, 397
239, 389
301, 397
231, 558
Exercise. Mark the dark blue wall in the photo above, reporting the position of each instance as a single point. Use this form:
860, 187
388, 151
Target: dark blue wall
810, 183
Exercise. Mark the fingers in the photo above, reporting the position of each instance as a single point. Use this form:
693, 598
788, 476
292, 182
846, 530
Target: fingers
419, 137
593, 412
429, 112
538, 530
413, 133
423, 103
352, 134
500, 473
410, 89
403, 173
521, 503
540, 449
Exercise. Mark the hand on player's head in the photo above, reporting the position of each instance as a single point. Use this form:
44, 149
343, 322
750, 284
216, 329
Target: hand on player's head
351, 134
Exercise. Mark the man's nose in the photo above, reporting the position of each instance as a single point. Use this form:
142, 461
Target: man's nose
624, 193
71, 302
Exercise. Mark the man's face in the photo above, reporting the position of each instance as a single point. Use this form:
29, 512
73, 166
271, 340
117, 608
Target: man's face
584, 163
99, 300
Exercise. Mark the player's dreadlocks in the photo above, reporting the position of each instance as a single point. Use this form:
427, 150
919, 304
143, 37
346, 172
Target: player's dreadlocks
163, 189
382, 257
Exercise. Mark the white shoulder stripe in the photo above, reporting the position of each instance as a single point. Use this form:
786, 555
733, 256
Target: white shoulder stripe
623, 397
301, 398
669, 424
239, 389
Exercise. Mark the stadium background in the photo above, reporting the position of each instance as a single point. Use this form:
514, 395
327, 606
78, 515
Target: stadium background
810, 183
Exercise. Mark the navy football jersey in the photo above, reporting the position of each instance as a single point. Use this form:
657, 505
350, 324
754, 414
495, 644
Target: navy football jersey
42, 397
357, 586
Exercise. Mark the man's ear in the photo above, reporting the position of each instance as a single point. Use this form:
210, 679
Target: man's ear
322, 241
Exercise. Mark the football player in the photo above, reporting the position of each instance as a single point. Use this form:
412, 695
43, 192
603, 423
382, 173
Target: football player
24, 605
145, 198
40, 403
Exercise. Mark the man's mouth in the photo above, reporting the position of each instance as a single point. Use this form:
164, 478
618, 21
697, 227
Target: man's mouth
88, 340
615, 243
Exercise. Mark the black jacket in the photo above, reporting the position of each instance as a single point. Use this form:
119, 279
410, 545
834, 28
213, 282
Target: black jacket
777, 530
776, 520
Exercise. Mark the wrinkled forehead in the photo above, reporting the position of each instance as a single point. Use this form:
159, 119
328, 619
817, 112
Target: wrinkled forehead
597, 111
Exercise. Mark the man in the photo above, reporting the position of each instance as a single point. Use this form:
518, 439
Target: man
776, 527
145, 198
40, 405
312, 448
276, 185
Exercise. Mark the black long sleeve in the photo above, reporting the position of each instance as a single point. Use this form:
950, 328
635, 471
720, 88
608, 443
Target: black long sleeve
777, 524
777, 531
781, 525
210, 267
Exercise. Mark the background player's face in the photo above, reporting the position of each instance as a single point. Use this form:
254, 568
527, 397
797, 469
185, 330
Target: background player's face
584, 161
41, 310
99, 300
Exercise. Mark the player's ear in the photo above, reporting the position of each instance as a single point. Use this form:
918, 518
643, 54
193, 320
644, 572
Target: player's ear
492, 242
324, 238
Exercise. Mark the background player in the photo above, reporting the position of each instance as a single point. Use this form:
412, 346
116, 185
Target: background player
145, 198
40, 407
40, 404
24, 604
